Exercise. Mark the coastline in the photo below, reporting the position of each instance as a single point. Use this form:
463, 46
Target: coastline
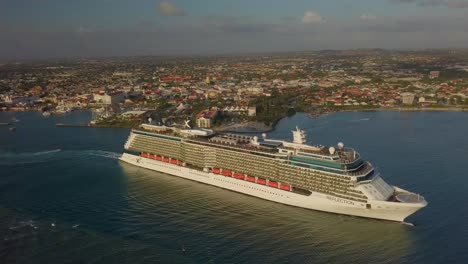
254, 127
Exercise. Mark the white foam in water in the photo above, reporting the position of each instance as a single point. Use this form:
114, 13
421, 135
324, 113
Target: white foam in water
104, 154
23, 154
46, 152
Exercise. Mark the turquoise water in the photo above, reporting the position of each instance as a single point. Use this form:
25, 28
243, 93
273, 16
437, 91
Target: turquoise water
65, 198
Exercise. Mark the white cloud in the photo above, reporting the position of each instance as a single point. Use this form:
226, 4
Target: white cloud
368, 17
312, 17
447, 3
170, 9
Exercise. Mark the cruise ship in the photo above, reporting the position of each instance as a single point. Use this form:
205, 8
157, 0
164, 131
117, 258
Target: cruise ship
330, 179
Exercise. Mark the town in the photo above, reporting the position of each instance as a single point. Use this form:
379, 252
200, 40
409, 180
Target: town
230, 92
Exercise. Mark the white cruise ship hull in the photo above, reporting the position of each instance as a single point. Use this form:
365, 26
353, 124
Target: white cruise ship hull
393, 211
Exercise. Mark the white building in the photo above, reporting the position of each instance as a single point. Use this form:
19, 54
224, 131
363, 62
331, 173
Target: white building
407, 98
106, 98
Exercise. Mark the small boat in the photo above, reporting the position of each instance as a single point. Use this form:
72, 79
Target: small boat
227, 173
261, 181
273, 184
250, 179
238, 175
12, 129
216, 171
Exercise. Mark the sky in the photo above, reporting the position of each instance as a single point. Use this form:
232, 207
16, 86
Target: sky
39, 29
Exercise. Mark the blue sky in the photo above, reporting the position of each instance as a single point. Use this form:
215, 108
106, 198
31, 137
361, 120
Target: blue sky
63, 28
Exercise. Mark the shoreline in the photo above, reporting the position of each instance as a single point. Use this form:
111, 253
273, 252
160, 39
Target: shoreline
272, 127
255, 127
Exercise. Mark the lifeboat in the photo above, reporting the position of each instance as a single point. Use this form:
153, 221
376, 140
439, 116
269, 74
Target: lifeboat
144, 155
273, 184
250, 179
285, 187
180, 163
166, 160
238, 175
226, 173
158, 158
174, 161
216, 171
151, 156
261, 181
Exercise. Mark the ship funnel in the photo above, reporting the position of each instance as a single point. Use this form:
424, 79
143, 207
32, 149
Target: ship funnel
299, 136
187, 124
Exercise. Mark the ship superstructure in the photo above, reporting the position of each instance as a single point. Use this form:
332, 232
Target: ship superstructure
331, 179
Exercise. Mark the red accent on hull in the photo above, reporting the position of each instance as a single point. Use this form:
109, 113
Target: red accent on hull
285, 187
273, 184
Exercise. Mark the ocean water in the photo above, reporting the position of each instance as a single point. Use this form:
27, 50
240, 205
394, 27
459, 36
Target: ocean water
65, 198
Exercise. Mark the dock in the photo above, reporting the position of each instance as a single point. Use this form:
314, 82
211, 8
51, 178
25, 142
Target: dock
73, 125
88, 125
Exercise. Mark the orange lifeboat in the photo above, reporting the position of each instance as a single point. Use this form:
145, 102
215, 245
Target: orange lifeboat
285, 187
158, 158
144, 155
151, 156
261, 181
180, 163
174, 161
227, 173
216, 171
238, 175
273, 184
166, 160
250, 179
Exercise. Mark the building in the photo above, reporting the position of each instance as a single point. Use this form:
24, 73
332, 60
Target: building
252, 111
434, 74
240, 110
407, 98
109, 98
206, 118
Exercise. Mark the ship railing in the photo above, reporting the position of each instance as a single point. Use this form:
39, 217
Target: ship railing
366, 169
231, 146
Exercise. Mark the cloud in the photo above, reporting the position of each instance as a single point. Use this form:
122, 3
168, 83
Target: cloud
368, 17
312, 17
170, 9
236, 34
447, 3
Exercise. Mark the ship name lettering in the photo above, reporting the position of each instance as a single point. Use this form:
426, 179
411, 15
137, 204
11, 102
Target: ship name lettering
339, 200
